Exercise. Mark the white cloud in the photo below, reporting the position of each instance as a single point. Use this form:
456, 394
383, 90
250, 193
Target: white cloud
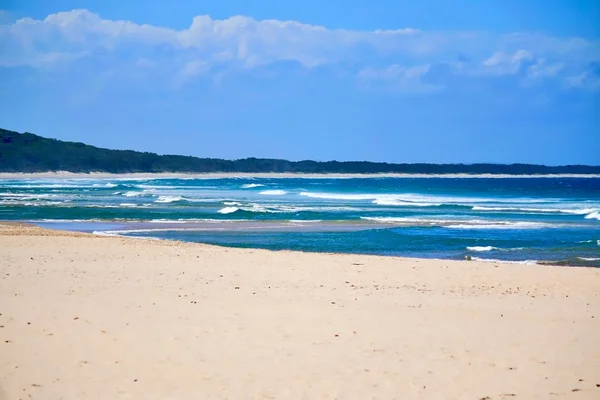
398, 78
195, 67
586, 80
502, 63
189, 71
543, 69
394, 72
396, 55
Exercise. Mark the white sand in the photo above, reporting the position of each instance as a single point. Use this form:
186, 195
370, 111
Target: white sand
87, 317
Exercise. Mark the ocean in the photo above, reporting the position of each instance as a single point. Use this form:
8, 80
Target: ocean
553, 220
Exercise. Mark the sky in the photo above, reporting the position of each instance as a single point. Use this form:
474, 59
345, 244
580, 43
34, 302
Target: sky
439, 81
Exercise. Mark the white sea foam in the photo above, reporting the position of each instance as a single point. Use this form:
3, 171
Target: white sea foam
503, 225
273, 192
168, 199
593, 215
121, 233
423, 221
491, 260
580, 211
285, 208
51, 186
128, 205
105, 233
28, 196
252, 185
132, 194
418, 200
481, 248
228, 210
232, 203
396, 202
537, 210
151, 230
394, 220
106, 185
340, 196
589, 258
460, 224
167, 221
68, 220
490, 248
257, 208
32, 203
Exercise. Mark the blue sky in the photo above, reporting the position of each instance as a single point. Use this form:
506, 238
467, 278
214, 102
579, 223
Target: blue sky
398, 81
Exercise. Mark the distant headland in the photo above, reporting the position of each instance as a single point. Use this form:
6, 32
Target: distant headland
30, 153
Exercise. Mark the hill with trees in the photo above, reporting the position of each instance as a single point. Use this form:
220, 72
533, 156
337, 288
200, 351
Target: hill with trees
26, 152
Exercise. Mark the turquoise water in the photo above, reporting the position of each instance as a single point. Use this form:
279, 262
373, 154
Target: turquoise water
525, 220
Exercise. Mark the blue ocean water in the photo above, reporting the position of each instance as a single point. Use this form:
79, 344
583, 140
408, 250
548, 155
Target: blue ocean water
526, 220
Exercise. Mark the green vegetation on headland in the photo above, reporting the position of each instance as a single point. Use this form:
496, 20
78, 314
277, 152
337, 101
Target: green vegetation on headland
26, 152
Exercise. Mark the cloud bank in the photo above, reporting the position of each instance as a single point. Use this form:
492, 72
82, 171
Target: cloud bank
406, 60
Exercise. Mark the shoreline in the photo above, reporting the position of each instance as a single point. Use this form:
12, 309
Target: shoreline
45, 231
225, 175
120, 234
91, 317
31, 228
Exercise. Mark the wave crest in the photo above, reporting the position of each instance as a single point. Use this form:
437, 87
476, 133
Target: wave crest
490, 248
132, 194
275, 192
593, 215
168, 199
481, 248
228, 210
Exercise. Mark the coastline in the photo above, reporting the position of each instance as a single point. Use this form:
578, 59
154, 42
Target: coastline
225, 175
185, 208
130, 234
92, 317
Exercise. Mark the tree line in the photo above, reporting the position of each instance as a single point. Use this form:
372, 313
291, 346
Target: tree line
27, 152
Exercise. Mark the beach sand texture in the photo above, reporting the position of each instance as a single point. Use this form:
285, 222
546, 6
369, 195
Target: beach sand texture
86, 317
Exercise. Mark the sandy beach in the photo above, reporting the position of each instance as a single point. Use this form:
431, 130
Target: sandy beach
88, 317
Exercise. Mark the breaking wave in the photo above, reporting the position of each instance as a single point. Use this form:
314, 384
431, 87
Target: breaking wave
132, 194
594, 215
273, 192
168, 199
503, 225
490, 248
492, 260
460, 224
481, 248
228, 210
588, 212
